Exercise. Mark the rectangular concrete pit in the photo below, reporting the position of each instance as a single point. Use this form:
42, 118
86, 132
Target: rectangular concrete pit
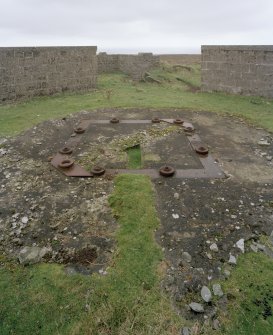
101, 145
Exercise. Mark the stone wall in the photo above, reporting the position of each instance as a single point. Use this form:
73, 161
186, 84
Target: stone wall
183, 59
244, 70
133, 65
26, 72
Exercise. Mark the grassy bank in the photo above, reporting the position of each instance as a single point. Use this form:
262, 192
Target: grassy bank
117, 90
43, 300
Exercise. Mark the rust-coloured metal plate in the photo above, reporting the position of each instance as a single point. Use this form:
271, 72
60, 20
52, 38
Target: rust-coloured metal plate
74, 171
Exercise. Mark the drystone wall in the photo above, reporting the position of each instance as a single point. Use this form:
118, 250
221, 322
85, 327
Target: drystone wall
246, 70
133, 65
27, 72
183, 59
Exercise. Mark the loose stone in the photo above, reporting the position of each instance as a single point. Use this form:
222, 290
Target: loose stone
241, 245
196, 307
217, 290
232, 260
214, 247
186, 257
206, 294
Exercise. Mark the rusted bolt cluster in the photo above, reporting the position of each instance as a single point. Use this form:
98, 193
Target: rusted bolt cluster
79, 130
98, 171
156, 120
66, 163
202, 150
66, 151
114, 120
178, 121
166, 171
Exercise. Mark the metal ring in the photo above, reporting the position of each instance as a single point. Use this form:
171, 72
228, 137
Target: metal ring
79, 130
98, 171
188, 129
114, 120
202, 150
66, 163
166, 171
178, 121
66, 151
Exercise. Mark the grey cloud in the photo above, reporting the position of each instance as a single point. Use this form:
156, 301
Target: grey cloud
163, 24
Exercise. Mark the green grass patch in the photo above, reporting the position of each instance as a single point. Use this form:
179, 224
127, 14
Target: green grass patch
118, 91
43, 300
134, 157
251, 288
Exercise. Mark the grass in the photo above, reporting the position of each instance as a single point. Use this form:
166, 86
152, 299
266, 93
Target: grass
250, 287
41, 299
134, 157
171, 93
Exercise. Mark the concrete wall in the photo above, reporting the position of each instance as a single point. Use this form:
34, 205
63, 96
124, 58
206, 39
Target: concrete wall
133, 65
244, 70
183, 59
26, 72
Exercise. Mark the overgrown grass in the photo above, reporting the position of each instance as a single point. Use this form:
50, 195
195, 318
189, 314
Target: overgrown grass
251, 289
171, 93
43, 300
134, 157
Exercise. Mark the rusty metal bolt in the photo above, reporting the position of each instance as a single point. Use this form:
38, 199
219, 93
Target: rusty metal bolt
79, 130
156, 120
178, 121
66, 151
98, 171
66, 163
114, 120
166, 171
188, 129
202, 150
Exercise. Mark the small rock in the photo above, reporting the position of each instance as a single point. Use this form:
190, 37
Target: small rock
269, 158
253, 247
214, 247
175, 216
206, 294
226, 273
232, 260
216, 324
217, 290
241, 245
24, 220
264, 143
176, 196
209, 255
185, 331
196, 307
32, 255
186, 257
260, 246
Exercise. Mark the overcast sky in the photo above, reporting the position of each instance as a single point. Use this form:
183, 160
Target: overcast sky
159, 26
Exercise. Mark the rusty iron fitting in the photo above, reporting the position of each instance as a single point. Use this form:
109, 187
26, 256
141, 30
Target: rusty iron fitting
166, 171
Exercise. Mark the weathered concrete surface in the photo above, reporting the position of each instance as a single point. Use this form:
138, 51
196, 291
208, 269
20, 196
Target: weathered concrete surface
30, 71
238, 69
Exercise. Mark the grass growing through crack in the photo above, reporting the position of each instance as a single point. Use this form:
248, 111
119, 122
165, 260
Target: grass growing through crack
171, 93
43, 300
134, 157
